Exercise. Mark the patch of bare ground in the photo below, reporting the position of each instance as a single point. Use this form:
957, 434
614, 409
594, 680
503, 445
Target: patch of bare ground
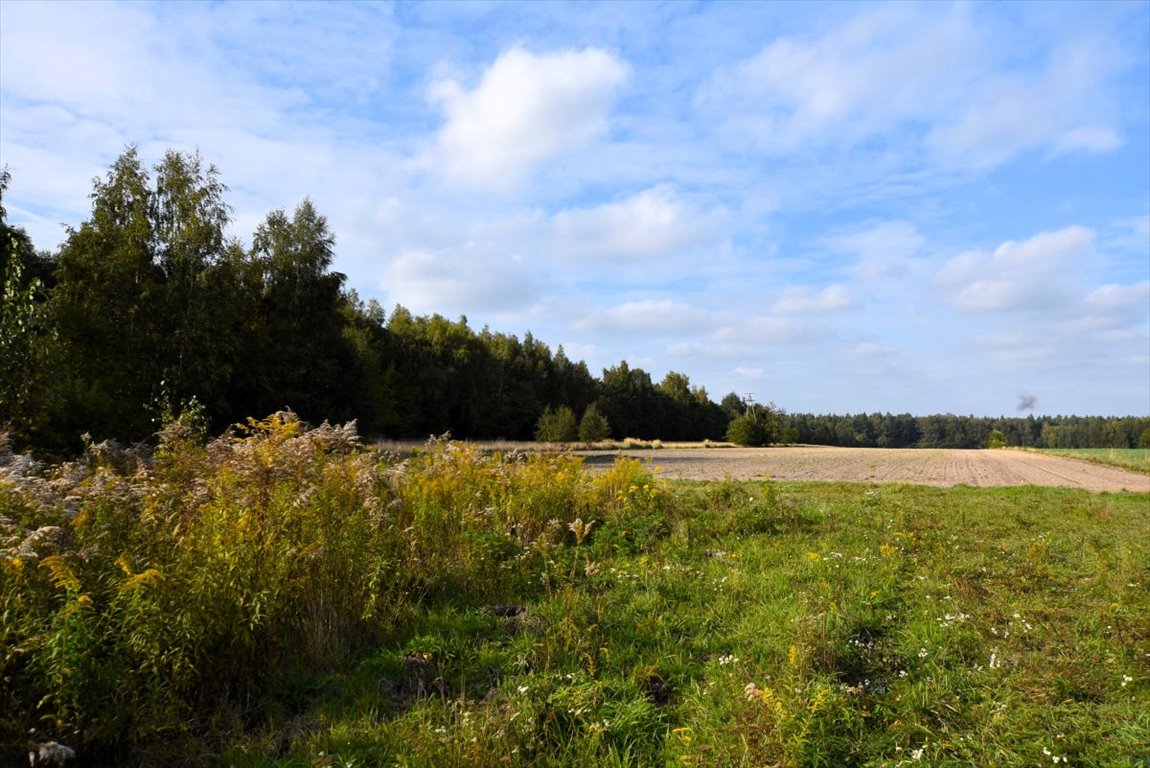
917, 466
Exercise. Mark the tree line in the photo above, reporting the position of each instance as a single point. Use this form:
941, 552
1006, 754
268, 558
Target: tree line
149, 312
885, 430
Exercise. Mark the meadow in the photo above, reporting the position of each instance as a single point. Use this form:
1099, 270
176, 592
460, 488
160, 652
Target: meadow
284, 596
1137, 459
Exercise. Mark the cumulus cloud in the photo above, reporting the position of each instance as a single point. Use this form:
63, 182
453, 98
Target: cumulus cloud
1028, 275
1109, 309
653, 223
526, 109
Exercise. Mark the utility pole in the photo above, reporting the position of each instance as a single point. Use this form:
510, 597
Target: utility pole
749, 399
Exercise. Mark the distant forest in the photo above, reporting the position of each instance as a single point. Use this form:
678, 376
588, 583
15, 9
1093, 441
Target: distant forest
149, 314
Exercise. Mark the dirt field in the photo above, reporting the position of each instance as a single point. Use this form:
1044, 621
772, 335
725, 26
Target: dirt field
884, 465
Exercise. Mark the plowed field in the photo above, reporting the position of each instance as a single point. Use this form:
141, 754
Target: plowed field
923, 466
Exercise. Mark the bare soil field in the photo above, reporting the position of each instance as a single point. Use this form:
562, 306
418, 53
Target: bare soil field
919, 466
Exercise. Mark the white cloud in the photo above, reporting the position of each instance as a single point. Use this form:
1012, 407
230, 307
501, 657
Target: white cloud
889, 238
1057, 106
800, 300
1120, 297
1092, 139
883, 250
658, 317
756, 330
526, 109
459, 281
918, 79
859, 79
1034, 274
869, 349
1113, 309
651, 224
1020, 348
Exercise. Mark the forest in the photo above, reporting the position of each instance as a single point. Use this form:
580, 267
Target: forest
149, 312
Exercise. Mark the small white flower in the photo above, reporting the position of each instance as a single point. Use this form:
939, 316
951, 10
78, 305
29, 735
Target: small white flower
1126, 679
922, 653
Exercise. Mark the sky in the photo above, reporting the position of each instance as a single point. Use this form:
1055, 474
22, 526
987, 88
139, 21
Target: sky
835, 207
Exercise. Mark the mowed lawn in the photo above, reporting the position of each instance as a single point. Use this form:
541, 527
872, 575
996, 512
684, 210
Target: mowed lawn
757, 624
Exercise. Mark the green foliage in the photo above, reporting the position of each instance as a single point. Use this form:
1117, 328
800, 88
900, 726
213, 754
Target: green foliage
744, 430
19, 317
137, 600
299, 355
759, 425
556, 426
996, 439
24, 340
593, 426
903, 430
286, 597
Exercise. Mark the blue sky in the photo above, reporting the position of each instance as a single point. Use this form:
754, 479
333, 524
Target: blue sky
838, 207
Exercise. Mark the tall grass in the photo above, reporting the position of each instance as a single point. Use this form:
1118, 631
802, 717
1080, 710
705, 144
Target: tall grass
147, 600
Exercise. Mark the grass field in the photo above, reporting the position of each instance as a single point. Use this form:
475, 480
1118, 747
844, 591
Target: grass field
290, 600
1137, 459
802, 625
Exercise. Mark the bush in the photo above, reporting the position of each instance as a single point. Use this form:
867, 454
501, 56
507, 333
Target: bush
744, 430
556, 426
139, 597
593, 427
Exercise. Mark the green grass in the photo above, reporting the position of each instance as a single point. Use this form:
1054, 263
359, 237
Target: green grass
793, 625
289, 600
1137, 459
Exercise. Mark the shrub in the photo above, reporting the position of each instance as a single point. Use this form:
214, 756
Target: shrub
594, 426
141, 599
556, 426
744, 430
